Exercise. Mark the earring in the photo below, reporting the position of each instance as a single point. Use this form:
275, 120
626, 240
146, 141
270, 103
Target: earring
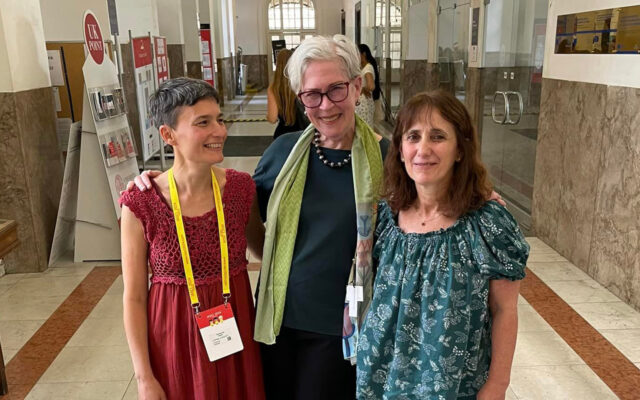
305, 113
402, 158
357, 102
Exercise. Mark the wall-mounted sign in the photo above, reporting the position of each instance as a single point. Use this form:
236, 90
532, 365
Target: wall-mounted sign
162, 63
607, 31
208, 59
145, 87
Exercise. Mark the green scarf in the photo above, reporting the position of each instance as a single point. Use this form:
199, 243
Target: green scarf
283, 213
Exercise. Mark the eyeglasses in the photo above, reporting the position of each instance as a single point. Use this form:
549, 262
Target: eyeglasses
336, 93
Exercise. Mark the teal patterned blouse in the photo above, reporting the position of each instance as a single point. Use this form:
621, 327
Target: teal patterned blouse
427, 334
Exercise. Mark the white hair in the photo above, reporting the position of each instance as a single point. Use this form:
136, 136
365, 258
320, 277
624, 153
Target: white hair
323, 48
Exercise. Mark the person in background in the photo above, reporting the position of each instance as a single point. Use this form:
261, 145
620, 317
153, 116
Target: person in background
443, 320
169, 357
283, 106
370, 85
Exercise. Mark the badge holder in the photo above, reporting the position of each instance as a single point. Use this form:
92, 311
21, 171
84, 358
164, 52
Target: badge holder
217, 325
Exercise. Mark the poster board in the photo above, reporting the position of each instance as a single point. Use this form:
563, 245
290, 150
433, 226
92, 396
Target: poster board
145, 79
107, 157
162, 61
206, 50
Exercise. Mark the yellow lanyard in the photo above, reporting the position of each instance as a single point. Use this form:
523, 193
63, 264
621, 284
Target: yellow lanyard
184, 249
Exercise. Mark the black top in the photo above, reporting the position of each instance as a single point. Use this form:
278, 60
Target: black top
326, 239
299, 124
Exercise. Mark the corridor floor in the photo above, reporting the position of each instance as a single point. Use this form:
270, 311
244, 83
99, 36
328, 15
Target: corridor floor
63, 338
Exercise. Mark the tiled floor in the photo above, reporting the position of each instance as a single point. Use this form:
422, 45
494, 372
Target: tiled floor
95, 362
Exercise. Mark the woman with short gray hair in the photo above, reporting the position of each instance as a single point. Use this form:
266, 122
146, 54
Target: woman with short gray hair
317, 191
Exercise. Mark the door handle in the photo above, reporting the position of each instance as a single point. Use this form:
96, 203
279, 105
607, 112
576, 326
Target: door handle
509, 121
506, 108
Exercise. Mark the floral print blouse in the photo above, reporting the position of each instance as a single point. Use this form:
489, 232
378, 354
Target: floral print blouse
427, 334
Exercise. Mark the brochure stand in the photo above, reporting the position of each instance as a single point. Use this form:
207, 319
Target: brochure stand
107, 156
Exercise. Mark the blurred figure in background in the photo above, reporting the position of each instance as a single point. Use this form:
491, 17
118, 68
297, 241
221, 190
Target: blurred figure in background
370, 85
282, 103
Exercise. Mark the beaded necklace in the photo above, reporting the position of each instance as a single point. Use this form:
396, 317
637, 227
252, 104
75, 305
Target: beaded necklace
323, 158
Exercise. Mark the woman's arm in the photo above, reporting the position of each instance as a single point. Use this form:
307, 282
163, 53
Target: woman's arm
368, 85
272, 106
255, 230
134, 299
503, 304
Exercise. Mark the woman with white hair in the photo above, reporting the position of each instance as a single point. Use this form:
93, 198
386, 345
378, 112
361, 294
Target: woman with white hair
317, 191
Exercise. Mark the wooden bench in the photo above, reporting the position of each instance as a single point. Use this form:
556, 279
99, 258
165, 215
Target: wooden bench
8, 241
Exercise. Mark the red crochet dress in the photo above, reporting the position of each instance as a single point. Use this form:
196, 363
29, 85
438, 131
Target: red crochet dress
178, 356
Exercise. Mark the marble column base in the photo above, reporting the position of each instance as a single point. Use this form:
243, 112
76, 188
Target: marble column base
131, 99
257, 70
31, 177
194, 69
175, 53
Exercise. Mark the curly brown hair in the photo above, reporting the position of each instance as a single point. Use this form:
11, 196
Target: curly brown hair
470, 186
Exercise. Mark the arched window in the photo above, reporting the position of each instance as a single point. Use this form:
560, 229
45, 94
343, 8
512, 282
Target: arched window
291, 20
395, 28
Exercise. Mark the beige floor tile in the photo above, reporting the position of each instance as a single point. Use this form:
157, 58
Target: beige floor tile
557, 271
251, 128
5, 287
17, 333
521, 300
21, 308
90, 364
108, 307
625, 340
12, 278
78, 390
539, 247
8, 353
530, 321
587, 291
72, 270
253, 279
510, 395
571, 382
616, 315
45, 286
132, 390
117, 288
546, 257
543, 348
244, 164
100, 332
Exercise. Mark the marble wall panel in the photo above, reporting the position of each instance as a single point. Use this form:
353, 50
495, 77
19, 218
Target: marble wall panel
35, 114
257, 70
175, 53
474, 99
230, 77
194, 69
581, 114
220, 83
14, 202
129, 89
548, 170
615, 243
414, 78
31, 175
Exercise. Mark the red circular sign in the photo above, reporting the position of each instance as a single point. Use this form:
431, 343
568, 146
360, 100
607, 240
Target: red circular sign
93, 37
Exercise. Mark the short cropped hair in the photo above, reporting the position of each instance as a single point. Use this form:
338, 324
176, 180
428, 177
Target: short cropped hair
323, 48
470, 186
165, 104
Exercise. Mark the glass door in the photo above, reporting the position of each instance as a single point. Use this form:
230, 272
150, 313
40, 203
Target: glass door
453, 40
512, 76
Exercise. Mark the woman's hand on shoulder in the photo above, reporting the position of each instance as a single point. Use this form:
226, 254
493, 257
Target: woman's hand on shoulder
492, 391
142, 181
496, 196
150, 389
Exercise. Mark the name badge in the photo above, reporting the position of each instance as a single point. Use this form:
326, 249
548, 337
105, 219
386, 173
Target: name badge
219, 332
354, 295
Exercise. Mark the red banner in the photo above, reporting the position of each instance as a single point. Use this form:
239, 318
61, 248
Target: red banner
207, 56
142, 51
162, 61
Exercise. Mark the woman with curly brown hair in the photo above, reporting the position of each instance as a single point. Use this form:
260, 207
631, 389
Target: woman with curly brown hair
443, 319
